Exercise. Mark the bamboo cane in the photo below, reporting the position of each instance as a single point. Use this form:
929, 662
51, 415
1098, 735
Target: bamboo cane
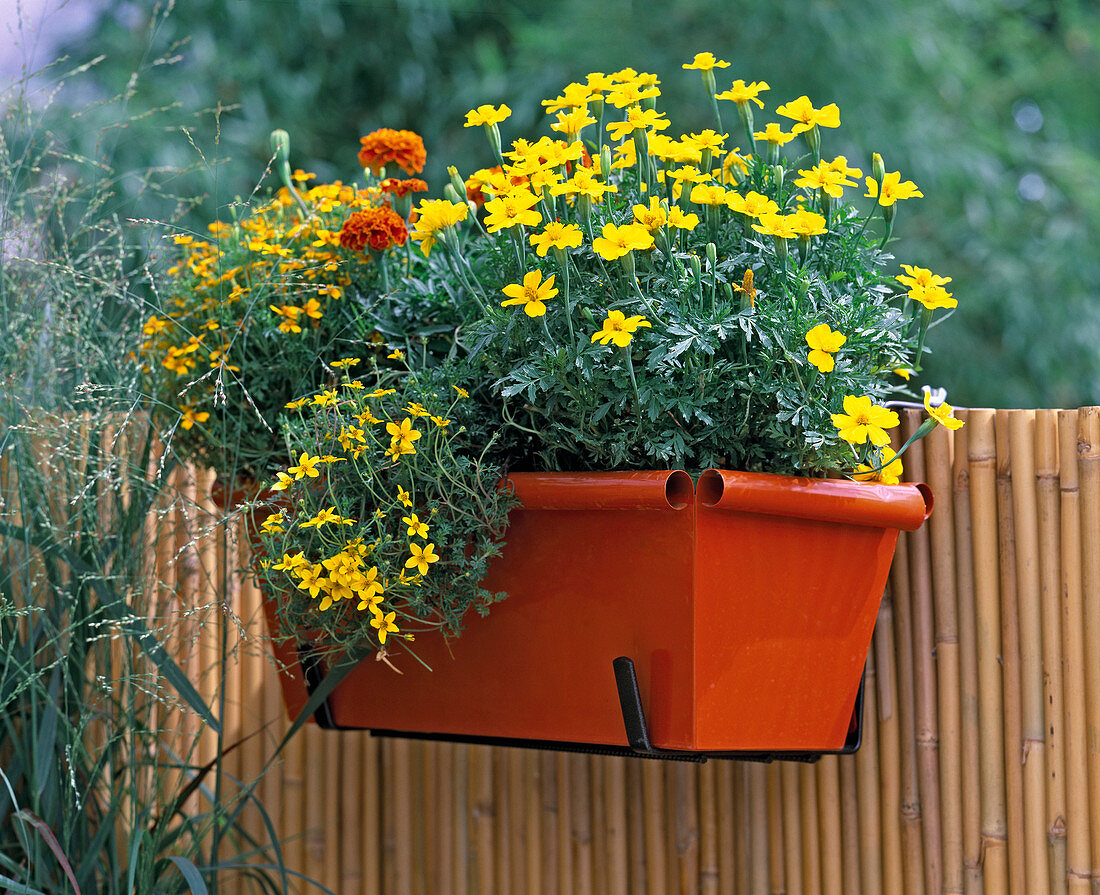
969, 731
1033, 743
367, 814
849, 826
983, 519
501, 857
565, 849
482, 811
442, 831
867, 786
905, 706
350, 804
758, 828
549, 814
598, 813
425, 870
774, 784
1046, 471
615, 825
742, 849
727, 832
941, 533
792, 828
463, 820
686, 826
636, 827
515, 825
1088, 465
669, 827
893, 872
828, 825
533, 814
708, 830
926, 721
328, 869
580, 824
811, 831
653, 795
1078, 846
1010, 657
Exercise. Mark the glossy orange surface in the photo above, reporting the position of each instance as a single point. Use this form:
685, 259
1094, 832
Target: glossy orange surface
747, 604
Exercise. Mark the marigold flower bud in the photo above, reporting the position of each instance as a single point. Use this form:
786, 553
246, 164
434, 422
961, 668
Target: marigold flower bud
457, 182
712, 254
605, 161
878, 167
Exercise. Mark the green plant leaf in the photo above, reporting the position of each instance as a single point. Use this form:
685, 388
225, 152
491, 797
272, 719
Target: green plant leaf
191, 874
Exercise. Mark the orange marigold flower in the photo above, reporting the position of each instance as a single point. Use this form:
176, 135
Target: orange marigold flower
402, 188
385, 146
378, 228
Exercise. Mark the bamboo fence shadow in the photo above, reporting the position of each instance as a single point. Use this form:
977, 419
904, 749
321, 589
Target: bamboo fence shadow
979, 771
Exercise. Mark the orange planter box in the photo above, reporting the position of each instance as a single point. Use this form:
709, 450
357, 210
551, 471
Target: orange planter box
746, 603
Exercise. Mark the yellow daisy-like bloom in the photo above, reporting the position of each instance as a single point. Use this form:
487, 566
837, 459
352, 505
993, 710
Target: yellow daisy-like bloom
619, 328
311, 579
920, 276
773, 133
741, 92
403, 435
486, 114
708, 194
824, 343
779, 225
708, 139
434, 216
417, 528
933, 297
556, 235
573, 121
630, 94
574, 96
652, 217
532, 294
421, 557
384, 624
289, 563
705, 62
891, 189
637, 119
369, 589
864, 421
942, 414
512, 210
403, 497
806, 116
807, 223
681, 221
753, 204
283, 481
618, 241
307, 466
584, 182
273, 523
889, 473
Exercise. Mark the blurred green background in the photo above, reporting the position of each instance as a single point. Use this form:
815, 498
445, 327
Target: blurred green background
991, 107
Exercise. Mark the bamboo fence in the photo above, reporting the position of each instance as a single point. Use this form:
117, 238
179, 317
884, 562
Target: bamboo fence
979, 771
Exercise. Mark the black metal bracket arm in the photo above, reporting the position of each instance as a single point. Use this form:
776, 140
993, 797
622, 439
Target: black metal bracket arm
637, 732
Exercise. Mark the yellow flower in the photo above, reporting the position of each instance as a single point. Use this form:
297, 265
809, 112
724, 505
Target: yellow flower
370, 589
532, 294
753, 204
891, 189
416, 527
307, 466
326, 398
708, 194
618, 241
289, 563
189, 416
312, 581
681, 221
705, 62
653, 217
741, 92
920, 276
637, 119
889, 474
421, 557
283, 482
806, 116
574, 96
864, 421
556, 235
933, 297
512, 210
403, 435
573, 122
403, 497
824, 343
344, 363
272, 523
462, 393
942, 414
486, 115
384, 624
772, 133
295, 405
619, 328
396, 354
806, 223
326, 516
778, 225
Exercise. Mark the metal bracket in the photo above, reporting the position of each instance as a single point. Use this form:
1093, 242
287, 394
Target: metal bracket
637, 732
